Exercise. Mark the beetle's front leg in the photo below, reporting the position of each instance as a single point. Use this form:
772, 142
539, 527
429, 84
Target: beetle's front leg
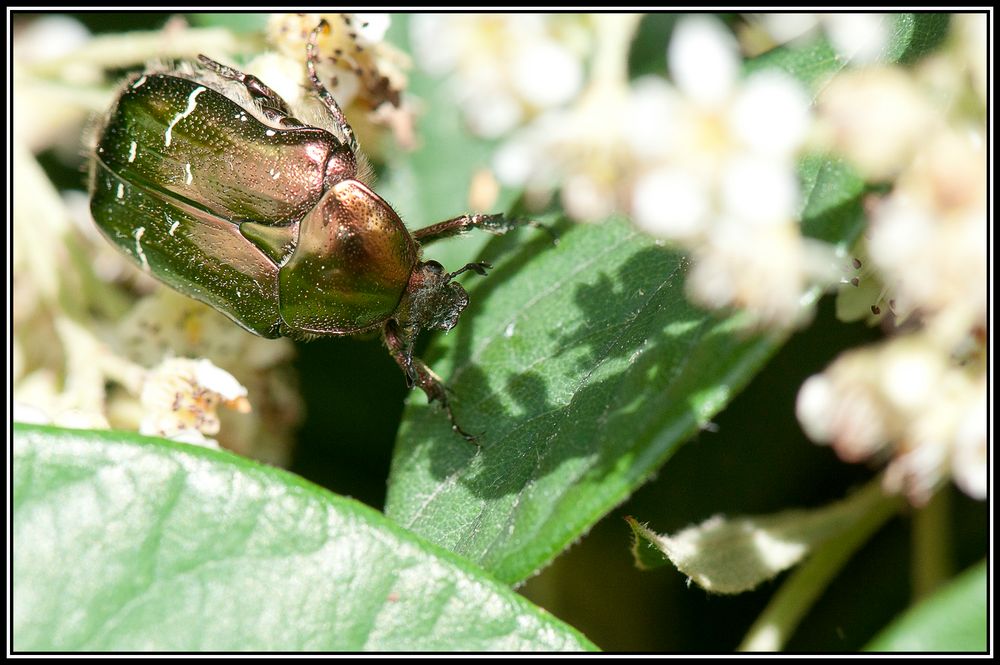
333, 108
496, 224
419, 374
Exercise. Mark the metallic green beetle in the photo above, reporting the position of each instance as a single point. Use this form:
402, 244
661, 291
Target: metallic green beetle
203, 176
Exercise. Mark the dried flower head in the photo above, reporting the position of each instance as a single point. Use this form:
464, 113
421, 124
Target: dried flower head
364, 73
181, 397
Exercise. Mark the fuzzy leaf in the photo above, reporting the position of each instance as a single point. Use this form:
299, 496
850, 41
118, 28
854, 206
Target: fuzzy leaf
737, 554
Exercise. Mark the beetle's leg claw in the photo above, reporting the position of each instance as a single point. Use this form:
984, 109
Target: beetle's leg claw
417, 373
437, 391
412, 377
479, 268
544, 227
471, 438
457, 429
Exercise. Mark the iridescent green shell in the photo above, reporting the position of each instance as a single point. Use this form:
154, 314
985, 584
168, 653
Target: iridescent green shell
256, 220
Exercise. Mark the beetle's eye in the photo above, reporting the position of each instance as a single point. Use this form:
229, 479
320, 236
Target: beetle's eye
434, 267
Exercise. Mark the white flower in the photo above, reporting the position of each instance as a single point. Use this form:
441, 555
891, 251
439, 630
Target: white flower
583, 150
861, 38
905, 398
29, 413
351, 49
547, 74
968, 462
671, 202
875, 117
48, 38
708, 162
928, 237
762, 269
971, 33
704, 60
504, 68
725, 184
758, 191
719, 122
652, 103
167, 324
181, 397
372, 26
770, 115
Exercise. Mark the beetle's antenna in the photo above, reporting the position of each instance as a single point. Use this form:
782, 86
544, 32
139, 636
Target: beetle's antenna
324, 94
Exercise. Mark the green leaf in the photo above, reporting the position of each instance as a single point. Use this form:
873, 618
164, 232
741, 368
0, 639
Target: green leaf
953, 619
911, 36
584, 367
916, 35
129, 543
832, 191
810, 63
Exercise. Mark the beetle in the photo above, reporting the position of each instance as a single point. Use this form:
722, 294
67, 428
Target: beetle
205, 178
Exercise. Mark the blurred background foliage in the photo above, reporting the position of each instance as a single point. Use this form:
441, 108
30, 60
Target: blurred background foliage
754, 458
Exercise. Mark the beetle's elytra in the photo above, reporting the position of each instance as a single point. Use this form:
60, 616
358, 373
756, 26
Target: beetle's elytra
203, 176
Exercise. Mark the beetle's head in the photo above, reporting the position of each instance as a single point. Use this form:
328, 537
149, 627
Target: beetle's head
433, 300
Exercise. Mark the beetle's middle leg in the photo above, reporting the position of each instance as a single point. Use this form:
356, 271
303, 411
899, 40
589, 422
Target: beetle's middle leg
496, 224
419, 374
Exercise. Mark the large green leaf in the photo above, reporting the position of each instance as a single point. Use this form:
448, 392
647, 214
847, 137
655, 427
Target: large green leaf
123, 542
953, 619
583, 366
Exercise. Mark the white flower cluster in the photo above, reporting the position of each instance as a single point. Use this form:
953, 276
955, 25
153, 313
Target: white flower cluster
166, 326
906, 399
921, 396
861, 38
504, 68
707, 161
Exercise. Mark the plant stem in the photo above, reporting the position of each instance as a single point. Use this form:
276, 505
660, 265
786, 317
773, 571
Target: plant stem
796, 596
931, 564
614, 36
135, 48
